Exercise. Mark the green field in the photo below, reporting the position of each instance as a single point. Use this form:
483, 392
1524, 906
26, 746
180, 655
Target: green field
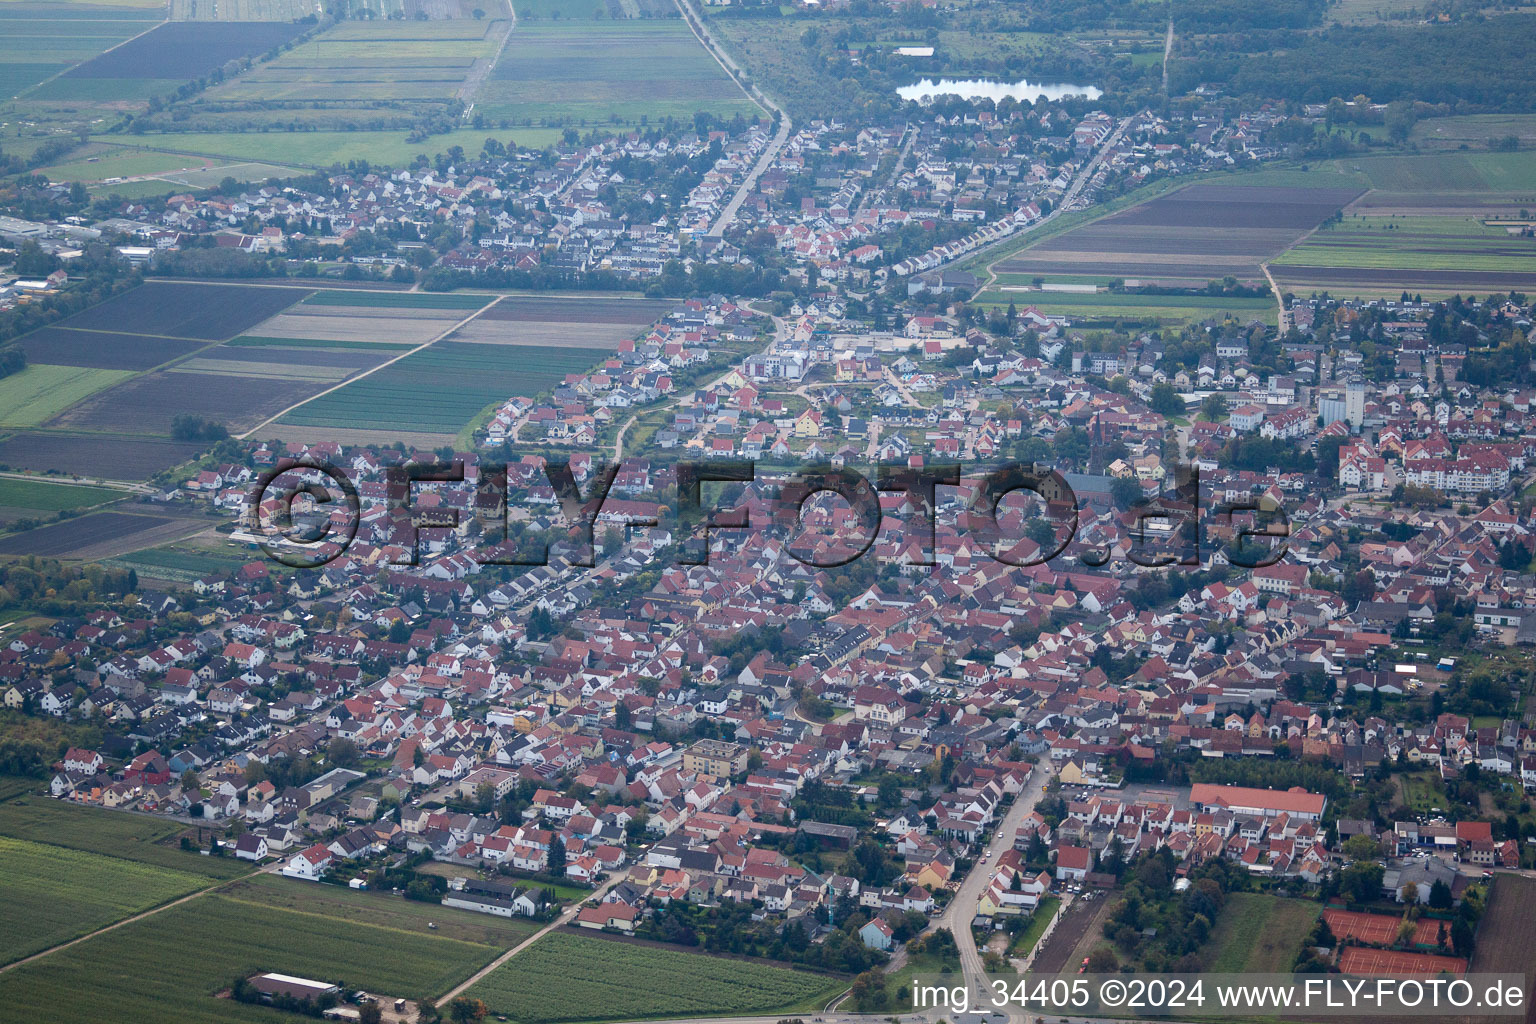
171, 966
605, 72
1118, 305
1473, 130
254, 341
1416, 243
52, 894
41, 391
324, 148
1258, 934
381, 909
183, 563
604, 980
16, 785
398, 300
45, 496
1025, 941
439, 389
38, 41
366, 61
134, 837
100, 162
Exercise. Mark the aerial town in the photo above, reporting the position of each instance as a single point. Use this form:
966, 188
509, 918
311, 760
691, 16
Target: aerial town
779, 553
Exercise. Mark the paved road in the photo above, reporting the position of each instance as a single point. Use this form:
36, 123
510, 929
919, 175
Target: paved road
957, 917
748, 183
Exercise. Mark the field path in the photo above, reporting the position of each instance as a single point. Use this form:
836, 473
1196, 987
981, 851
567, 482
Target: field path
151, 912
1279, 297
389, 362
1167, 51
564, 918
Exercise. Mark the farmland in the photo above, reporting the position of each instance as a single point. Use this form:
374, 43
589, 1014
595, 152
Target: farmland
1188, 237
599, 982
439, 389
94, 455
324, 148
1258, 933
598, 72
202, 312
398, 300
366, 324
133, 837
103, 350
559, 322
185, 50
99, 535
42, 40
1504, 935
46, 496
358, 62
1386, 253
41, 392
1108, 306
383, 909
147, 404
52, 895
172, 965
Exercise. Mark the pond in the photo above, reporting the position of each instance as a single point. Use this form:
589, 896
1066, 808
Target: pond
987, 89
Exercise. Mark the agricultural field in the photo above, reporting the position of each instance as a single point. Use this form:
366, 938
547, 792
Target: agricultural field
239, 397
1504, 934
1162, 309
203, 312
325, 148
367, 324
1473, 130
428, 62
52, 895
171, 966
133, 837
440, 389
99, 535
384, 909
185, 561
560, 322
1197, 234
39, 496
398, 300
1258, 934
94, 455
608, 72
38, 41
1413, 249
41, 392
103, 350
599, 981
180, 51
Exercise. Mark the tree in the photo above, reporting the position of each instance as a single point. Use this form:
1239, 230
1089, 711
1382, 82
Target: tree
370, 1013
557, 856
189, 780
1166, 400
1214, 407
342, 753
1103, 961
1361, 847
464, 1010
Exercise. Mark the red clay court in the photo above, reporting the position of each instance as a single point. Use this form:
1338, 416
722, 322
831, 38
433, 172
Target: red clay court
1380, 929
1359, 960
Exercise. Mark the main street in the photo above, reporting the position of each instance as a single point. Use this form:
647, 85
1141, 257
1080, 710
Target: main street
961, 912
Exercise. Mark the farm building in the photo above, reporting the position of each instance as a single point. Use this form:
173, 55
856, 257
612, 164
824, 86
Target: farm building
270, 985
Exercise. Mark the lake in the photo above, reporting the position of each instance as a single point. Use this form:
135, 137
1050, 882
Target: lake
986, 89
